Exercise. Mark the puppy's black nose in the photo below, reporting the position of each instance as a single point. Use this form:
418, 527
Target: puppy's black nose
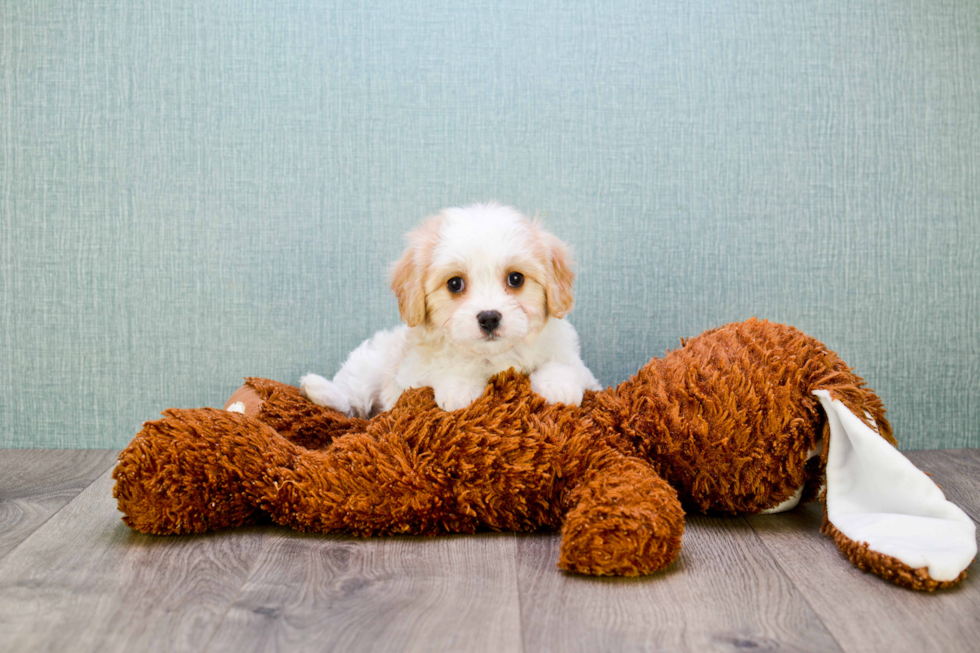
489, 321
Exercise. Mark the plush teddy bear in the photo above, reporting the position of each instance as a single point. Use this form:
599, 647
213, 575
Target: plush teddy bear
729, 423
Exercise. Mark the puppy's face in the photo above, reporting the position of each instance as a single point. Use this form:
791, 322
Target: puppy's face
484, 276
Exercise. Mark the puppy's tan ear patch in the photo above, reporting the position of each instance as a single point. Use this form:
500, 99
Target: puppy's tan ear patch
406, 282
408, 273
558, 289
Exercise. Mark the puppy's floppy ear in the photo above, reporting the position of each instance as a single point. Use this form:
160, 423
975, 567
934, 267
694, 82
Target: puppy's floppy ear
406, 282
558, 289
408, 273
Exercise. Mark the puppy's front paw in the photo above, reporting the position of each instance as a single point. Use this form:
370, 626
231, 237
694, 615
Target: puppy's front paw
457, 395
324, 393
557, 386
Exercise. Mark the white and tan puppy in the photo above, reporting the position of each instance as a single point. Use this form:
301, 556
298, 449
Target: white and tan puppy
481, 289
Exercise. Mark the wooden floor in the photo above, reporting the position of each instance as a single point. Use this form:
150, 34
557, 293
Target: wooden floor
73, 577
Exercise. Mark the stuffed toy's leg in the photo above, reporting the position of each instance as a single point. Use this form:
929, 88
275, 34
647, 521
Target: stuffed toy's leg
204, 469
619, 516
885, 514
197, 470
622, 519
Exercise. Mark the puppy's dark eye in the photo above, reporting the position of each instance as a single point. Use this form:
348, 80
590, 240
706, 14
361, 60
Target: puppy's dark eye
455, 285
515, 279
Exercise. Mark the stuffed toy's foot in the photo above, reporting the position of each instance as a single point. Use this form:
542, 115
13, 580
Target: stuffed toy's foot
885, 514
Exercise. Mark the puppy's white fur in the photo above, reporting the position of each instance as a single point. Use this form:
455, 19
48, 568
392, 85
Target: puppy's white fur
442, 344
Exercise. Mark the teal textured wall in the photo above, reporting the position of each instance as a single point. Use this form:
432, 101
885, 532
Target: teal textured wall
193, 191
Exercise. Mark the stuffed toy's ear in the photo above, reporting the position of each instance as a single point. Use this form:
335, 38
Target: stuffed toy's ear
246, 400
885, 514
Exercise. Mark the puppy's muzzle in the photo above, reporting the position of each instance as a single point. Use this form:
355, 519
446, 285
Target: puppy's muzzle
488, 321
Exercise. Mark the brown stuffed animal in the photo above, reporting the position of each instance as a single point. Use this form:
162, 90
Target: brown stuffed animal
728, 423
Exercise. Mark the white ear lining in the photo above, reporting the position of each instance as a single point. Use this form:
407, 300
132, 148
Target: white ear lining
875, 495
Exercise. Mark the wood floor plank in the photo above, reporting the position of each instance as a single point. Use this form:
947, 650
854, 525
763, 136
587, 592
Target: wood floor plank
725, 593
957, 471
36, 483
317, 593
86, 582
864, 612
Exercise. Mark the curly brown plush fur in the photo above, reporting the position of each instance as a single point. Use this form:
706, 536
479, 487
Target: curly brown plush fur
724, 424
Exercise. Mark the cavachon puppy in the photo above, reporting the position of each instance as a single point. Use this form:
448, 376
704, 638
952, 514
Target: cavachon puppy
481, 289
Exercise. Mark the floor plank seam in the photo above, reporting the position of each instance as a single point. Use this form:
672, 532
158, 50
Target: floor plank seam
231, 603
972, 512
517, 583
58, 511
800, 590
